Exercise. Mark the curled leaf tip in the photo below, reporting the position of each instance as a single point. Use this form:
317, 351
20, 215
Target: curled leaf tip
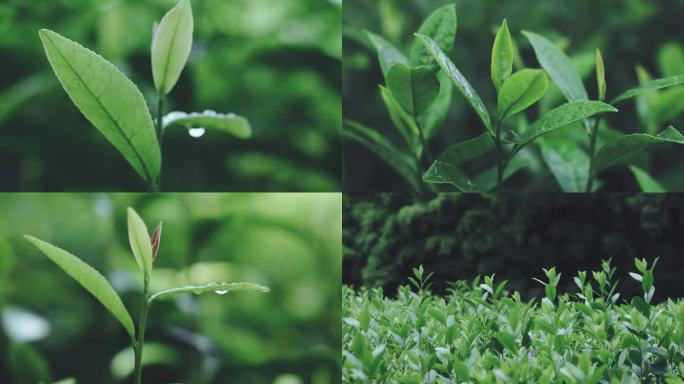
155, 238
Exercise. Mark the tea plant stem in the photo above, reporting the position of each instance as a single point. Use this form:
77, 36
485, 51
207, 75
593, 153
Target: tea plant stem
160, 135
501, 166
592, 154
423, 142
138, 347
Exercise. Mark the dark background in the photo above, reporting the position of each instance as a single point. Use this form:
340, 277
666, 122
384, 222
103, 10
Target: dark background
458, 236
628, 33
276, 63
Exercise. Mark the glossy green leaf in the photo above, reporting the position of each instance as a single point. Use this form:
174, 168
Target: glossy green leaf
171, 45
567, 162
384, 149
139, 239
445, 173
89, 278
229, 123
413, 88
600, 76
646, 182
522, 90
468, 150
559, 67
388, 54
440, 26
433, 118
562, 116
502, 56
623, 148
458, 79
649, 86
110, 101
218, 288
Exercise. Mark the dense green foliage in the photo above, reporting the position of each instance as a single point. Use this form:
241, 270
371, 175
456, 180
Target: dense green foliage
482, 333
459, 236
611, 52
51, 328
278, 65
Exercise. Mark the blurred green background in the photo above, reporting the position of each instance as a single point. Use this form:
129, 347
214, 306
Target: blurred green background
629, 33
53, 329
275, 62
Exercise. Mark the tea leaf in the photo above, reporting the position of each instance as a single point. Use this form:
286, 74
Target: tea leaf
171, 45
457, 78
600, 76
139, 239
440, 26
562, 116
646, 182
218, 288
671, 59
502, 56
521, 90
649, 86
110, 101
89, 278
445, 173
468, 150
414, 89
621, 149
567, 162
434, 116
559, 67
404, 123
523, 160
229, 123
383, 148
388, 54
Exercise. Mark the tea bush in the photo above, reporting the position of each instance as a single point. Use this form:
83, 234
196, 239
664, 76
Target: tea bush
481, 333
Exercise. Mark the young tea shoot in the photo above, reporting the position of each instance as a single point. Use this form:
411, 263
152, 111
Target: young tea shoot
482, 333
117, 108
144, 247
418, 93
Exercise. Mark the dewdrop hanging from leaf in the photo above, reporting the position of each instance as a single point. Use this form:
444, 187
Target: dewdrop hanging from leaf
171, 45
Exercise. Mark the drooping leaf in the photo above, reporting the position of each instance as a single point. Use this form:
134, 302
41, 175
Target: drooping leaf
388, 54
521, 90
139, 239
229, 123
441, 27
383, 148
623, 148
431, 120
458, 79
89, 278
445, 173
502, 56
109, 100
563, 116
567, 162
559, 67
218, 288
649, 86
646, 182
171, 45
600, 76
413, 88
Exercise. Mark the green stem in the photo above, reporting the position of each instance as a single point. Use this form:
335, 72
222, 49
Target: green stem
160, 136
501, 163
138, 347
592, 155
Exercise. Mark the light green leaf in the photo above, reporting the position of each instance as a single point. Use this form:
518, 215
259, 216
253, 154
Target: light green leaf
646, 182
122, 364
171, 45
383, 148
404, 123
562, 116
649, 86
457, 78
440, 26
89, 278
110, 101
388, 54
559, 67
521, 90
600, 76
445, 173
567, 162
502, 56
413, 88
432, 119
69, 380
671, 59
218, 288
139, 239
623, 148
229, 123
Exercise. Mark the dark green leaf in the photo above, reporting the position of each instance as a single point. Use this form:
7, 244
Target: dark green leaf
435, 115
445, 173
568, 163
388, 54
468, 150
649, 86
623, 148
414, 89
646, 182
640, 304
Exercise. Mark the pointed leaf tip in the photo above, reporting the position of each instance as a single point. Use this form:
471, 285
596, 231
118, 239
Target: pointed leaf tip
155, 239
140, 241
171, 45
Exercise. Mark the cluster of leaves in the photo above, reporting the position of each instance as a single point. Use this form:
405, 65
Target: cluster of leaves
418, 90
482, 333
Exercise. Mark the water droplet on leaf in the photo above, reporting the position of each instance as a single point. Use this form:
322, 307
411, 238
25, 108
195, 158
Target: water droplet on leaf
221, 292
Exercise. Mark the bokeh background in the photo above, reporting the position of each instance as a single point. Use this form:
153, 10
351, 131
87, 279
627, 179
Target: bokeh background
629, 33
276, 63
51, 328
460, 236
